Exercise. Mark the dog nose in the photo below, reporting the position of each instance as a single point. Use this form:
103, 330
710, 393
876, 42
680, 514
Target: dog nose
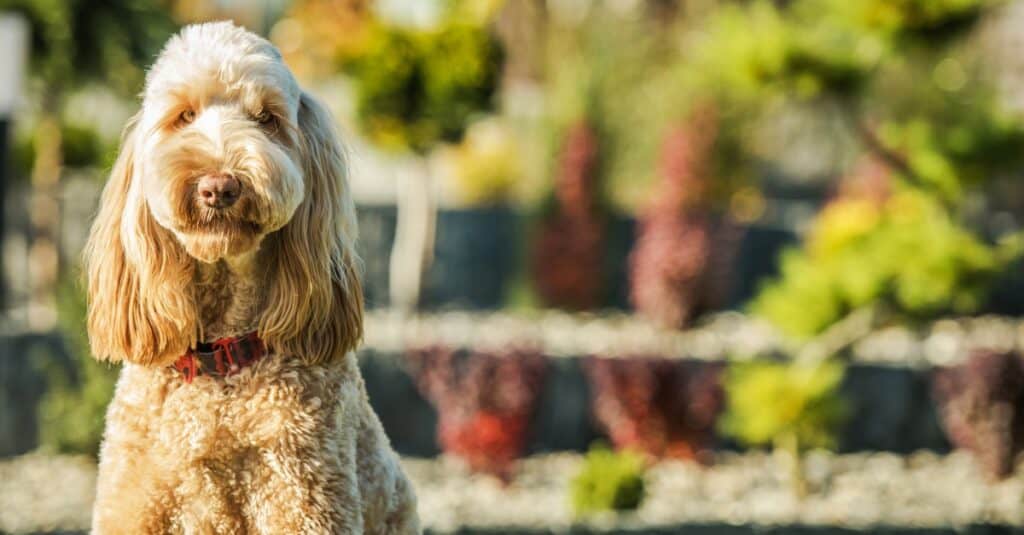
219, 191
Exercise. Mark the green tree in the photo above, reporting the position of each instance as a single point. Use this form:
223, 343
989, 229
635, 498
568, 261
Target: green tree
416, 87
75, 42
908, 84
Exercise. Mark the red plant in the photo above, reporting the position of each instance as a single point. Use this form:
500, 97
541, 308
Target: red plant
681, 263
569, 248
981, 403
484, 402
665, 408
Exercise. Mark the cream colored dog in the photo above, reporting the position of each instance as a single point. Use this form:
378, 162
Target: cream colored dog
228, 218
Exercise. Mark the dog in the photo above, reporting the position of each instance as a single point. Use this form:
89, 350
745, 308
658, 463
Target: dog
222, 273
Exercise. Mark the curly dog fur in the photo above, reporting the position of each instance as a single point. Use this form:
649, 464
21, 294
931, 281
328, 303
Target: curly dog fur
289, 444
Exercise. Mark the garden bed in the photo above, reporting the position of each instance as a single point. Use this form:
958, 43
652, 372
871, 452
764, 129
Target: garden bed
891, 408
876, 493
888, 383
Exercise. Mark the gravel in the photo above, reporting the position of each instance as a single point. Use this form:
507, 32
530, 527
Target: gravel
559, 334
924, 490
720, 336
41, 493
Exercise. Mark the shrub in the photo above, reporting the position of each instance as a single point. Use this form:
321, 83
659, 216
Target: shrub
906, 253
71, 412
680, 263
484, 402
913, 16
899, 76
806, 48
416, 87
791, 406
568, 250
80, 147
608, 481
981, 403
460, 74
658, 407
770, 401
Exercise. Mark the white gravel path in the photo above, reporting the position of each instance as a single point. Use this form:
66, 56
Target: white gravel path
861, 490
40, 493
45, 493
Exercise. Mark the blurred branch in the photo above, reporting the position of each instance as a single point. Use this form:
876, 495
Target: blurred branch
867, 134
839, 336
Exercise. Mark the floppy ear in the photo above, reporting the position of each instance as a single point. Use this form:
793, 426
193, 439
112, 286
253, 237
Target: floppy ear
314, 309
140, 309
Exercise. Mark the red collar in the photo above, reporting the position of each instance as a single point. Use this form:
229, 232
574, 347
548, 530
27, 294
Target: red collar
222, 357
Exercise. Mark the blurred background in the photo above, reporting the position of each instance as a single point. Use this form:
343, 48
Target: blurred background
637, 266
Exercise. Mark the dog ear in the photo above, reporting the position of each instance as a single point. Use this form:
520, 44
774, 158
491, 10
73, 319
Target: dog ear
139, 308
314, 308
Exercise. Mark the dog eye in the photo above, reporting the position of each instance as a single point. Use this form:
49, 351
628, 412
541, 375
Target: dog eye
186, 117
264, 117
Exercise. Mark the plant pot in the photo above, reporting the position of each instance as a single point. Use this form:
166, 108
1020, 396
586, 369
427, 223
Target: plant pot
756, 260
376, 236
620, 239
475, 257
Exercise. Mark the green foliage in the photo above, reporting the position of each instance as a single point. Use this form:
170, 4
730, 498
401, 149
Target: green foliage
485, 168
926, 17
763, 51
23, 153
951, 152
623, 75
907, 253
77, 40
911, 92
791, 404
896, 72
78, 390
807, 48
460, 65
415, 87
608, 481
80, 147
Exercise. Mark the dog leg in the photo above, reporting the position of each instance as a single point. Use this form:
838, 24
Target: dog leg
128, 500
388, 499
304, 491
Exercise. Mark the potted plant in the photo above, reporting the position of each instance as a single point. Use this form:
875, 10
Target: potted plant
567, 251
981, 403
476, 246
416, 88
656, 407
485, 402
609, 481
791, 407
681, 263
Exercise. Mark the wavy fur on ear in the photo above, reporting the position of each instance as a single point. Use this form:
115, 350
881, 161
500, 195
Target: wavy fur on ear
139, 310
314, 308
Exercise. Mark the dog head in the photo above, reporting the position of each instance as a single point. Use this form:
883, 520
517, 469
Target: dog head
226, 157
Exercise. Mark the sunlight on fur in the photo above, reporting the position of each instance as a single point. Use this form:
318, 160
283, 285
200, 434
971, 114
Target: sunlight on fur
295, 207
